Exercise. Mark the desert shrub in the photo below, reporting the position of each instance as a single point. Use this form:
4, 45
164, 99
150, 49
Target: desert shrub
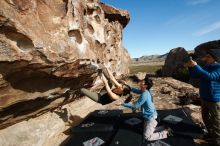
159, 72
182, 74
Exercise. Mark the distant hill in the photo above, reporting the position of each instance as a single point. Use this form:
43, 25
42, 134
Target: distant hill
152, 58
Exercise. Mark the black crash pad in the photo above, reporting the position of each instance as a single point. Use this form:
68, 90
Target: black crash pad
131, 121
78, 139
183, 132
184, 128
98, 121
107, 113
126, 137
172, 141
114, 131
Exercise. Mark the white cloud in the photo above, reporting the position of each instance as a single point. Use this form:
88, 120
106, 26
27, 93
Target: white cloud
198, 2
208, 29
186, 20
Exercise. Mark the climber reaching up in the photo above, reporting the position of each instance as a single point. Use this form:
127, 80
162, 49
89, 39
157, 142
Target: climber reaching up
109, 94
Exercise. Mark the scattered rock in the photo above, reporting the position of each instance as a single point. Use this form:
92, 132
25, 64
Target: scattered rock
165, 90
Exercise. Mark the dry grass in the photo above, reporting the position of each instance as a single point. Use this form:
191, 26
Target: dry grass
144, 68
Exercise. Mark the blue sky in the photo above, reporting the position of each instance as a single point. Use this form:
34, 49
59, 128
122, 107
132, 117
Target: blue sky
157, 26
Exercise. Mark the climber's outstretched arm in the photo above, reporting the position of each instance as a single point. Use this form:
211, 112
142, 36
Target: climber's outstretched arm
112, 95
112, 77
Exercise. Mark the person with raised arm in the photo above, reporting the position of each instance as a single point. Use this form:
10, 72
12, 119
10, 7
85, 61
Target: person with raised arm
209, 90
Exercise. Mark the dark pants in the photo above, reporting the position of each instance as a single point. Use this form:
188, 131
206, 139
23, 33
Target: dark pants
101, 97
211, 119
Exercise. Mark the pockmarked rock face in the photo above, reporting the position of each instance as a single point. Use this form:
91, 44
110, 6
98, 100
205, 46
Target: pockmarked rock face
51, 48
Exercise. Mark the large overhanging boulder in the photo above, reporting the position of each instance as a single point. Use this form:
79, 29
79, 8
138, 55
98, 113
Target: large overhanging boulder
51, 48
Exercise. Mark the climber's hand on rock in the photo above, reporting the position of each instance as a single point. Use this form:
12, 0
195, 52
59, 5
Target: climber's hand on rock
191, 63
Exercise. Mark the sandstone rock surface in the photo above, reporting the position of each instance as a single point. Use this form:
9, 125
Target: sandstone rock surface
48, 129
51, 48
174, 65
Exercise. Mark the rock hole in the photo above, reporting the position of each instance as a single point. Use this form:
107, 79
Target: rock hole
90, 11
104, 45
90, 1
97, 18
73, 12
98, 44
23, 42
90, 28
76, 34
110, 60
84, 12
98, 10
108, 32
66, 5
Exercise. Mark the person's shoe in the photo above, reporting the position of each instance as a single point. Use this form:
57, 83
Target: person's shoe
169, 132
206, 136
